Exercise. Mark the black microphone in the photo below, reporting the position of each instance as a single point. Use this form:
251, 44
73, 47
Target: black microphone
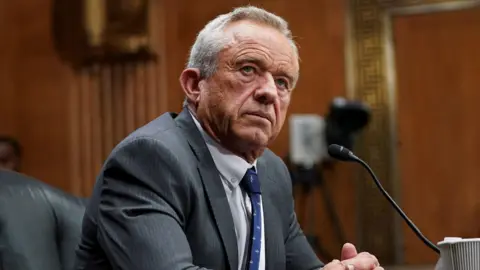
342, 153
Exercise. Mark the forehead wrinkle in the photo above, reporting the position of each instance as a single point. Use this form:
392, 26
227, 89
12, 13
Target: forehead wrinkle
244, 45
260, 52
254, 55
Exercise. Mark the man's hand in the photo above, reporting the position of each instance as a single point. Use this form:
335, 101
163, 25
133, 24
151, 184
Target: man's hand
352, 260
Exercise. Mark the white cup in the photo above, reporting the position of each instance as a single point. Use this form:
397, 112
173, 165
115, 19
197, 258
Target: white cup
459, 254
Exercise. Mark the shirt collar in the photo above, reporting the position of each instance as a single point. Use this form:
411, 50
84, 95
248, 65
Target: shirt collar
231, 167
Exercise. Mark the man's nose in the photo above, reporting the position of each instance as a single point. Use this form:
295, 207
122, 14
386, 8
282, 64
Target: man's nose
266, 93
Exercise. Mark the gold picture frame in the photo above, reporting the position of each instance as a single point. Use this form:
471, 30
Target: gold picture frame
371, 77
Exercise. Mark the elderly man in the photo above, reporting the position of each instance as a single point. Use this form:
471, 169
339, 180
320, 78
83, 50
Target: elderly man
200, 190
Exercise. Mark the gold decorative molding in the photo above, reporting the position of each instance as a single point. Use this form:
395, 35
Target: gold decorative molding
88, 32
371, 77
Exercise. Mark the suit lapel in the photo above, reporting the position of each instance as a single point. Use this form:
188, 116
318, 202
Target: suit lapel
213, 187
271, 240
221, 212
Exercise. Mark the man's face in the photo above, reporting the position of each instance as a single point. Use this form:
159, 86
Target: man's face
8, 159
245, 102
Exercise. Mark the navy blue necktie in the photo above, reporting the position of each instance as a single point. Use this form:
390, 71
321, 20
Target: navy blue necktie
251, 185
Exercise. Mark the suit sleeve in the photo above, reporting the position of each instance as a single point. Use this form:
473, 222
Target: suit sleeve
142, 210
300, 255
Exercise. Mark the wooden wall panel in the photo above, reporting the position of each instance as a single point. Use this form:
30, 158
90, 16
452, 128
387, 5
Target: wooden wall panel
68, 120
39, 82
437, 69
107, 103
7, 93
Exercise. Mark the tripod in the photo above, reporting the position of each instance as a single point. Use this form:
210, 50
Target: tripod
310, 179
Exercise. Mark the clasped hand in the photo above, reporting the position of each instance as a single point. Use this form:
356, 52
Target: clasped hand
352, 260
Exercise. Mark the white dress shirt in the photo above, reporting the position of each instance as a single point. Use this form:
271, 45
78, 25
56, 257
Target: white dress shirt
232, 168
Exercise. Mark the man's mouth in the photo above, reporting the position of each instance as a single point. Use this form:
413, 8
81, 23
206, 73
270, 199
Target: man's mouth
261, 115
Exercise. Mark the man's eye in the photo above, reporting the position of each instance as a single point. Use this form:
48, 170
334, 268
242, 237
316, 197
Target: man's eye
247, 70
282, 83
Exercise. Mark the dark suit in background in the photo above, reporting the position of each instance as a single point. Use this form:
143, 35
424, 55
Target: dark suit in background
159, 204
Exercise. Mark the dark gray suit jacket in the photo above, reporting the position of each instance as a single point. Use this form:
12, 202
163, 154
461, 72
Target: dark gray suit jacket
159, 204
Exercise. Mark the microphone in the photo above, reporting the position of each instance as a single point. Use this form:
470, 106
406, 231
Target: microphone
341, 153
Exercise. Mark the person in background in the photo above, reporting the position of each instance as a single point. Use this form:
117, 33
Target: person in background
10, 154
200, 189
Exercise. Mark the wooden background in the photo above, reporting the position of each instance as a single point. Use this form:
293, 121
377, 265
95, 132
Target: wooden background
438, 127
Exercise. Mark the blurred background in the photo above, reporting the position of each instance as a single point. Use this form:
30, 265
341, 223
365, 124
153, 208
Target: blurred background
76, 76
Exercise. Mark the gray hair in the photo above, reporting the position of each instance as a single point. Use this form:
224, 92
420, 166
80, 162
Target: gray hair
210, 40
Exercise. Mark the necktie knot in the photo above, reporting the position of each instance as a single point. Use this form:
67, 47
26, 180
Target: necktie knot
250, 182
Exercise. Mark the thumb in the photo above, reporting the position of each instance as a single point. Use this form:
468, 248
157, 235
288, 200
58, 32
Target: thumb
348, 251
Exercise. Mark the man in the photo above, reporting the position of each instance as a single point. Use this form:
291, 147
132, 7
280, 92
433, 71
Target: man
10, 152
200, 190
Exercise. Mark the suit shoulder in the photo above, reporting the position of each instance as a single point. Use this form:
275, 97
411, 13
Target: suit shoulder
158, 130
157, 152
159, 135
155, 146
277, 169
273, 159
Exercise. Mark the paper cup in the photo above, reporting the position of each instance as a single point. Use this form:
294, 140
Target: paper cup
459, 254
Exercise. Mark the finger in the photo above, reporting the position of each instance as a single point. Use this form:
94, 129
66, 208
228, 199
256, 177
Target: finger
378, 268
348, 251
334, 265
363, 261
371, 257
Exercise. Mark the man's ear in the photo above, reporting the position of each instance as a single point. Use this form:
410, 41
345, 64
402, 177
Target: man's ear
189, 80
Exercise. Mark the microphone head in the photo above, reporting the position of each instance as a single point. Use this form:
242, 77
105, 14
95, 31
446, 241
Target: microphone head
341, 153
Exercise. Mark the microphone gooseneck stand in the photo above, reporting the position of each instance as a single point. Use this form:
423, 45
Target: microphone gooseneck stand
342, 153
